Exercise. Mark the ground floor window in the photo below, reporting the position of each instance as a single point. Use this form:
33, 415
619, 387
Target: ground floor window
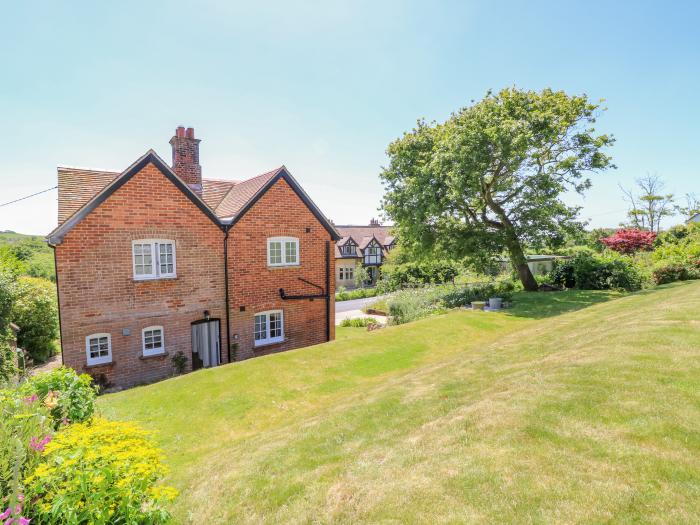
153, 342
269, 327
98, 348
346, 273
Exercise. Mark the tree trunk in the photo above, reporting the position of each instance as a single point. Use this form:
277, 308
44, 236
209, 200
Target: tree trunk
517, 258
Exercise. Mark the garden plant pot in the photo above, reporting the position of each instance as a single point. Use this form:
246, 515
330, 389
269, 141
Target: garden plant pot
495, 303
478, 305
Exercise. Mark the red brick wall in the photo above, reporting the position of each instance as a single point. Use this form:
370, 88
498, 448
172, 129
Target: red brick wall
98, 292
255, 286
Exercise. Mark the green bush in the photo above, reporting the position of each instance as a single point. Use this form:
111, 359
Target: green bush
35, 311
587, 271
359, 293
25, 427
69, 396
8, 366
359, 322
670, 272
99, 472
479, 292
398, 276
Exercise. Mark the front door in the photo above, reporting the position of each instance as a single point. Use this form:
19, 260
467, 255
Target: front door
206, 345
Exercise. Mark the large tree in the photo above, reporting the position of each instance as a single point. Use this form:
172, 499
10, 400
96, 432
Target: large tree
490, 178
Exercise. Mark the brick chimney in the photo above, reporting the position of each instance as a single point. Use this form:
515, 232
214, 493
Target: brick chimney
186, 158
374, 223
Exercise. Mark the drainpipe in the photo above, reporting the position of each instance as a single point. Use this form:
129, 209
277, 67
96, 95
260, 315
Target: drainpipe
58, 300
328, 291
228, 320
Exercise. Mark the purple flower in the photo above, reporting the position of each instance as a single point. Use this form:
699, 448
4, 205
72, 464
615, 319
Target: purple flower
29, 400
5, 514
23, 521
39, 445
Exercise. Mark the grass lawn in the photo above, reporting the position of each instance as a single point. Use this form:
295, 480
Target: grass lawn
571, 407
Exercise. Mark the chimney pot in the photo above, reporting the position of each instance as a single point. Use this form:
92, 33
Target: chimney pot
180, 131
189, 133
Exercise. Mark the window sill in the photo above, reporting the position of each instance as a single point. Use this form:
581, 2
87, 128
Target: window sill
152, 356
280, 266
271, 343
98, 365
147, 279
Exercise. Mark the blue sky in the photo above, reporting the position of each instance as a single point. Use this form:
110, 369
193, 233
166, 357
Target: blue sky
323, 87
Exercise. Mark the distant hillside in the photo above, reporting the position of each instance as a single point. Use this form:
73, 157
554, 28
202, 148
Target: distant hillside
34, 254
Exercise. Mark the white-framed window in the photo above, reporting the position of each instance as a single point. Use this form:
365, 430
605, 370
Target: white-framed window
373, 254
282, 251
269, 327
153, 259
348, 249
153, 340
346, 273
98, 348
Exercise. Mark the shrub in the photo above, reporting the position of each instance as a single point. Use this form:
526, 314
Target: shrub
70, 397
35, 311
479, 292
586, 271
179, 361
398, 276
671, 272
25, 427
99, 472
631, 240
359, 322
359, 293
7, 356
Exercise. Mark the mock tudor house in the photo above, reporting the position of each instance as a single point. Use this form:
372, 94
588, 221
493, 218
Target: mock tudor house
155, 260
365, 246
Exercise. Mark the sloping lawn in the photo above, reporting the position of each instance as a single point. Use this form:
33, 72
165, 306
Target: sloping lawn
572, 407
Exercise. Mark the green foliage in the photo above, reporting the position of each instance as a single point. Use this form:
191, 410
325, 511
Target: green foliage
359, 293
35, 311
412, 304
31, 254
179, 361
395, 277
7, 294
669, 272
23, 422
361, 276
587, 271
99, 472
489, 179
359, 322
69, 396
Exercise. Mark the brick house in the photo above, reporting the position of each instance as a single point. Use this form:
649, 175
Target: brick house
156, 260
365, 246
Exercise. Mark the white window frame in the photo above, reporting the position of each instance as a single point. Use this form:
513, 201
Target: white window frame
283, 256
155, 260
152, 351
346, 273
101, 360
348, 249
269, 340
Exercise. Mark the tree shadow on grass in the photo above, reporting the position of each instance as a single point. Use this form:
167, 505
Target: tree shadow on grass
540, 305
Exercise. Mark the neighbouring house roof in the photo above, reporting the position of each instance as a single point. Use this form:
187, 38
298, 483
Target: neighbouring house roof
362, 236
225, 202
693, 218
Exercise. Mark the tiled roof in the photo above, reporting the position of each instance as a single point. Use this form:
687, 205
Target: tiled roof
362, 235
76, 186
214, 191
241, 193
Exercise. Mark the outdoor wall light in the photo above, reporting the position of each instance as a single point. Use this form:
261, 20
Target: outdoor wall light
206, 315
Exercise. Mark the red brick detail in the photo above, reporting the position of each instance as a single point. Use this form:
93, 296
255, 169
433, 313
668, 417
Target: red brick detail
186, 158
98, 292
254, 285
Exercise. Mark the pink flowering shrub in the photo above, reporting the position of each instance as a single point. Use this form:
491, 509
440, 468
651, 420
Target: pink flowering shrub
630, 240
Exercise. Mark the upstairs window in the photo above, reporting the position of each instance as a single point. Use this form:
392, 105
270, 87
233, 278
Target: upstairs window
153, 259
98, 348
348, 249
269, 327
153, 343
282, 251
